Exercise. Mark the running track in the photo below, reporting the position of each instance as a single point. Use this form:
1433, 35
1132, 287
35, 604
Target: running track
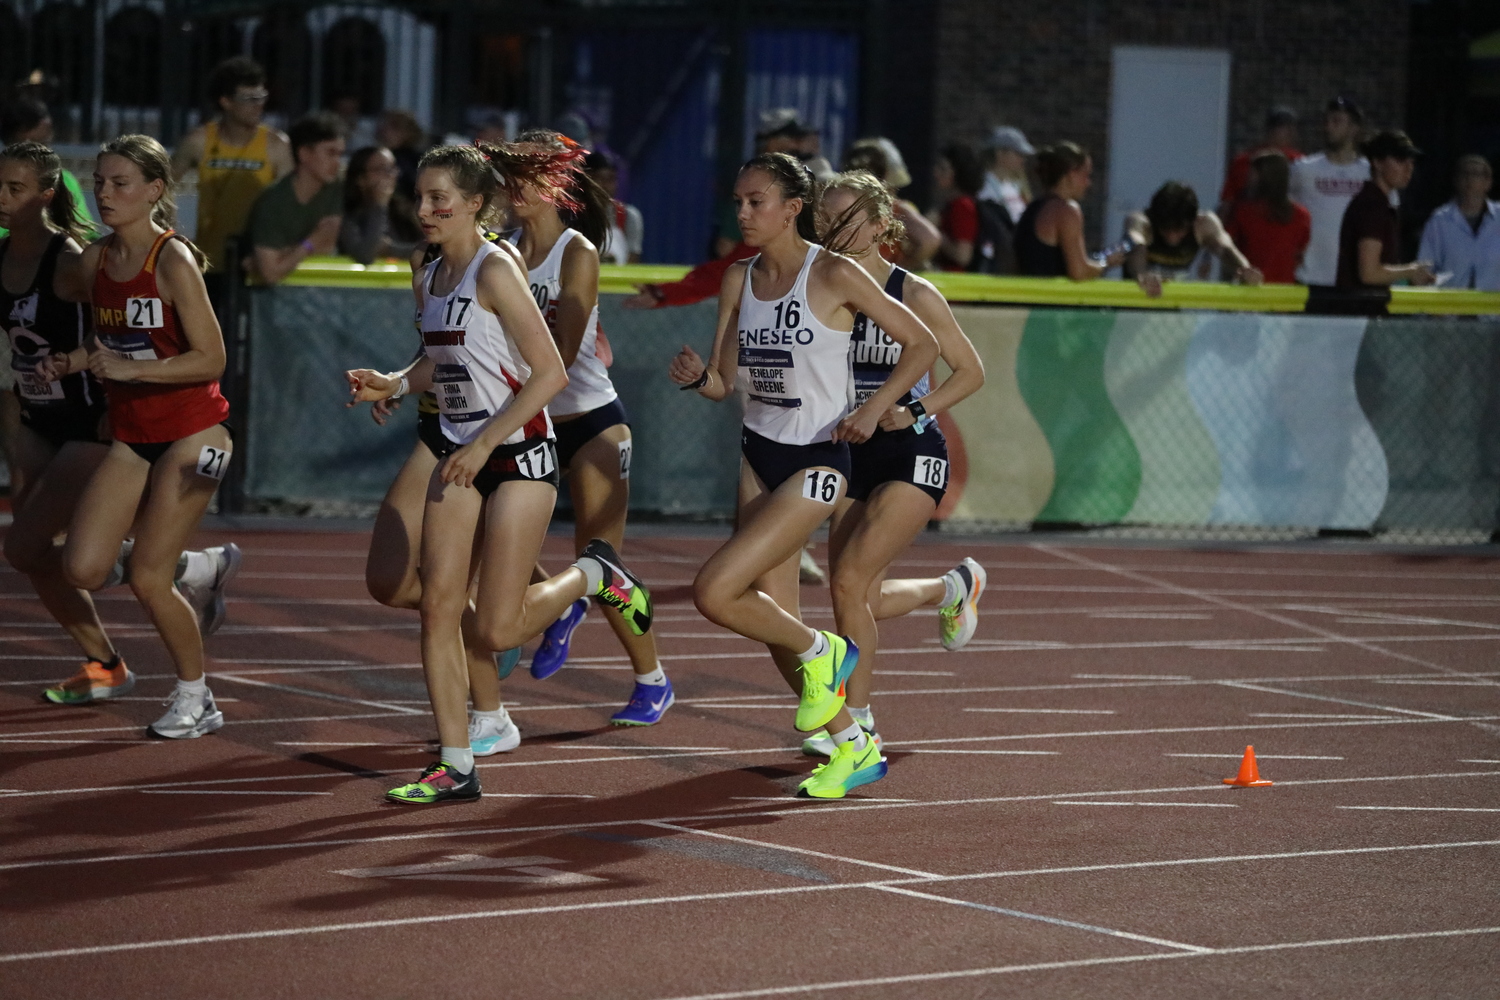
1053, 824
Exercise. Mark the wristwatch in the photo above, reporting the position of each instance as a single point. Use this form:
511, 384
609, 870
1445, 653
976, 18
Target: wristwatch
916, 409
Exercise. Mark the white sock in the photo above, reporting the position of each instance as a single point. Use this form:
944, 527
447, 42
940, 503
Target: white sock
853, 734
656, 678
499, 715
199, 571
817, 649
119, 573
199, 686
462, 758
864, 716
592, 571
950, 590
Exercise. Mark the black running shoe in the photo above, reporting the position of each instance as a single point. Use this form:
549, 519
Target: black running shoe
620, 589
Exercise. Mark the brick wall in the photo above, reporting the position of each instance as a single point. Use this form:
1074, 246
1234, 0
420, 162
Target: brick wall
1045, 67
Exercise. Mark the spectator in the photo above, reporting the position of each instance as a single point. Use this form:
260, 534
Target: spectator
377, 222
1281, 134
1173, 240
299, 215
1324, 183
1269, 227
1462, 238
958, 178
400, 132
881, 158
1005, 181
26, 119
1370, 234
359, 131
1049, 237
236, 155
627, 230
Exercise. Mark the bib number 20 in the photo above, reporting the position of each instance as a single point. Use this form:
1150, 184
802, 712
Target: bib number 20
212, 461
821, 486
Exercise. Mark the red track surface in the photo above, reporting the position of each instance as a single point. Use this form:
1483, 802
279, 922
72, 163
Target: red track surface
1053, 825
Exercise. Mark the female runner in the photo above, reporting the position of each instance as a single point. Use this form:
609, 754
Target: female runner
593, 432
494, 366
791, 310
901, 473
159, 353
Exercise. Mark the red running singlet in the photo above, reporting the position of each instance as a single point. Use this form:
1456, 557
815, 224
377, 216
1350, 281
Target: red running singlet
131, 319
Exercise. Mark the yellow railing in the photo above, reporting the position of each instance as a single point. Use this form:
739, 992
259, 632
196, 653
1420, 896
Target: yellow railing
341, 272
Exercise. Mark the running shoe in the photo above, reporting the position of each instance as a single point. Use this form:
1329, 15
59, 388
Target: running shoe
441, 782
189, 716
648, 703
847, 769
94, 681
823, 682
120, 572
820, 744
620, 589
506, 660
553, 652
957, 621
488, 737
808, 570
208, 599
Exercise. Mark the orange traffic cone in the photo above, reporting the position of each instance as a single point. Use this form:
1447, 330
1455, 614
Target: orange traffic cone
1249, 776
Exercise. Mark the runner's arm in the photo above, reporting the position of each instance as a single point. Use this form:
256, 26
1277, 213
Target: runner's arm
966, 375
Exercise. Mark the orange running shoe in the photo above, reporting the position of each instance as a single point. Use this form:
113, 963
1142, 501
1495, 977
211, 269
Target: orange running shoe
94, 682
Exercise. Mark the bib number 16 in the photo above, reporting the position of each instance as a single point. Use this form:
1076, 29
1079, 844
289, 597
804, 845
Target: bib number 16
821, 486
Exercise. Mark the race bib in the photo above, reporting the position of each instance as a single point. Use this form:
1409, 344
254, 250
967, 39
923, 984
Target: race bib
32, 386
625, 451
143, 314
821, 486
772, 375
536, 463
212, 461
456, 394
931, 472
873, 355
135, 346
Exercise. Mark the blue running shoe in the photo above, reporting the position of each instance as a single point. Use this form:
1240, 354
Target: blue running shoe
506, 660
648, 703
553, 652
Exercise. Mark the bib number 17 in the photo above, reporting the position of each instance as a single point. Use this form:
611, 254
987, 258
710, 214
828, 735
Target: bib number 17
821, 486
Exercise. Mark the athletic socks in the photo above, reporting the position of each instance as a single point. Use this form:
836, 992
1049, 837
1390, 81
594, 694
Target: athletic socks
592, 571
198, 687
462, 758
499, 716
817, 649
950, 589
196, 569
864, 716
119, 573
854, 734
656, 678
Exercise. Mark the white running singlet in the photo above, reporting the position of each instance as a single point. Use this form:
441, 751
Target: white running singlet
589, 386
794, 369
477, 369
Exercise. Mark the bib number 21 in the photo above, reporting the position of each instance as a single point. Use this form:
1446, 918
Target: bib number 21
211, 461
821, 486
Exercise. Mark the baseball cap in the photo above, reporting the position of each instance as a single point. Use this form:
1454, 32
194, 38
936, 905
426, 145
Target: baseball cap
1391, 143
781, 121
1012, 138
896, 174
1347, 106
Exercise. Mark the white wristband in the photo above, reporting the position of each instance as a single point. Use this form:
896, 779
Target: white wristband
402, 388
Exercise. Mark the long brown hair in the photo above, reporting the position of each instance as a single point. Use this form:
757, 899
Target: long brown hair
1272, 179
795, 180
63, 211
872, 200
1057, 161
489, 169
155, 165
596, 209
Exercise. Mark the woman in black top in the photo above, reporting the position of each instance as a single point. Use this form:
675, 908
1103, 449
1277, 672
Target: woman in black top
1049, 237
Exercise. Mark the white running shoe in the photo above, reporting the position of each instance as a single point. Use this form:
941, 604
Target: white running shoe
207, 598
808, 570
957, 621
188, 716
488, 737
820, 744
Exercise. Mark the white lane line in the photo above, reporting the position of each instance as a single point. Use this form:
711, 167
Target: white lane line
1246, 727
792, 850
393, 714
1260, 756
1132, 677
1154, 615
1194, 805
1093, 928
331, 743
220, 791
1441, 809
1079, 963
1241, 685
1479, 762
1013, 753
597, 748
1210, 570
1047, 711
74, 743
310, 693
1241, 647
1440, 683
915, 673
1313, 715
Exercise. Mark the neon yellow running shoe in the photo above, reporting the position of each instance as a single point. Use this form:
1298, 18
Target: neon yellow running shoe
823, 682
848, 768
620, 589
441, 782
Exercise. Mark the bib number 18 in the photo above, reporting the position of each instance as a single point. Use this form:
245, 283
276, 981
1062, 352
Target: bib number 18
211, 461
931, 472
821, 486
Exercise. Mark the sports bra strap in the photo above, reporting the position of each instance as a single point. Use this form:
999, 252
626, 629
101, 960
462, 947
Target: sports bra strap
156, 248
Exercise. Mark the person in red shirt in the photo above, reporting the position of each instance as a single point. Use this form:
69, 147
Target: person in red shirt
1271, 230
158, 350
958, 176
1281, 134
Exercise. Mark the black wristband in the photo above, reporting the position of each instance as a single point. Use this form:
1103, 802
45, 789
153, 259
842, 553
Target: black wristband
916, 409
702, 381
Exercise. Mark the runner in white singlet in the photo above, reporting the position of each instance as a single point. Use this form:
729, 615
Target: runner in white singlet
791, 312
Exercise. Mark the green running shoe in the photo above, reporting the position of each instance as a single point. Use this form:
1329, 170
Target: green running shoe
848, 768
441, 782
823, 683
620, 589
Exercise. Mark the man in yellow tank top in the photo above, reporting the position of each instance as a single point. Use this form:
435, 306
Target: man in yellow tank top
236, 156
